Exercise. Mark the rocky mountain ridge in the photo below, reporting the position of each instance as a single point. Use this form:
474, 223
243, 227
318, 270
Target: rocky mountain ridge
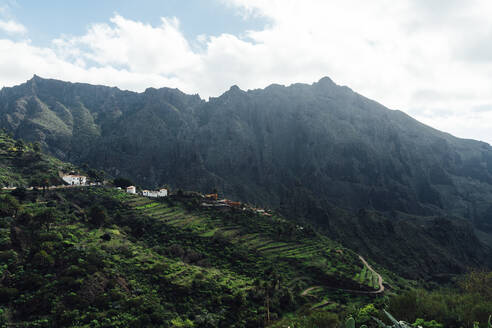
308, 150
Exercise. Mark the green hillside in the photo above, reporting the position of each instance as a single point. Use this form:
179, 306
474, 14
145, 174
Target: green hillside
100, 257
24, 165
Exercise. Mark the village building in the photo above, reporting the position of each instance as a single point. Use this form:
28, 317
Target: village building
212, 196
155, 193
75, 179
230, 203
131, 190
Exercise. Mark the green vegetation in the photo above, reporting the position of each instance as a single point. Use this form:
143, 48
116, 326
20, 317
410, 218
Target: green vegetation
350, 323
469, 302
102, 258
24, 165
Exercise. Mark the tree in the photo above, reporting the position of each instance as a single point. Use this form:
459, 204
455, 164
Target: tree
478, 282
268, 288
45, 183
43, 259
46, 217
20, 193
366, 313
9, 206
36, 182
96, 175
36, 146
19, 144
98, 215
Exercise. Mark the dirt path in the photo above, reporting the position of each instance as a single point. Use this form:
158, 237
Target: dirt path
380, 279
306, 292
380, 283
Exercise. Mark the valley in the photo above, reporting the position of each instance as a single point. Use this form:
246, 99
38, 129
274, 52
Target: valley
313, 235
319, 153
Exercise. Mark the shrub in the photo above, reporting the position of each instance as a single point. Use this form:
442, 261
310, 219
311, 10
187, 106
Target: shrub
366, 313
178, 322
106, 237
324, 319
98, 215
46, 217
478, 282
9, 206
8, 256
50, 236
43, 259
427, 324
7, 294
20, 193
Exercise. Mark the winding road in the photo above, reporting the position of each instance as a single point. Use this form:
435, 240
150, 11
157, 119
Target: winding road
380, 283
380, 279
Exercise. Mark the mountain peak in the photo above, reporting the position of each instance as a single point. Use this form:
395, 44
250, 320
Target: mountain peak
32, 83
326, 81
234, 88
35, 78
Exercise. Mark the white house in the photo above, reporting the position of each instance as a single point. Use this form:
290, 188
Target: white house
154, 193
75, 180
131, 190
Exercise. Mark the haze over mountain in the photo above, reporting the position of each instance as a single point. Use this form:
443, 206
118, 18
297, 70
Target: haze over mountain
320, 151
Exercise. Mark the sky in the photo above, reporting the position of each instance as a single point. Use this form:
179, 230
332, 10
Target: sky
429, 58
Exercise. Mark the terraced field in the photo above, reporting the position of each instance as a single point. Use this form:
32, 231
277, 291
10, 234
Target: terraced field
367, 277
266, 236
181, 274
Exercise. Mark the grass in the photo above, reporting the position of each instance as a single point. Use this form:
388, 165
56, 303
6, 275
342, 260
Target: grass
147, 206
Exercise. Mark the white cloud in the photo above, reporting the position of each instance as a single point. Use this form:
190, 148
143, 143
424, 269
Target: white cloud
389, 51
20, 60
134, 45
12, 27
430, 58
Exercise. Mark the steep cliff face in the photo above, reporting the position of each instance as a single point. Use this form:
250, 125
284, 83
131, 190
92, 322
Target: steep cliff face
304, 148
340, 147
259, 145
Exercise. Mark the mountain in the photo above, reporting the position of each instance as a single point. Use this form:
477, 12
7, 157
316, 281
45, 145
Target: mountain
320, 152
